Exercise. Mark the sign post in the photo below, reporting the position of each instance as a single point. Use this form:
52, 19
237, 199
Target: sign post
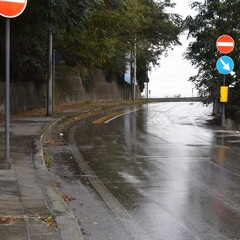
225, 65
9, 9
7, 90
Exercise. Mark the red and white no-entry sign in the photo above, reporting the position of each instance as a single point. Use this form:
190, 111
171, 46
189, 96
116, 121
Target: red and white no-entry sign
225, 44
12, 8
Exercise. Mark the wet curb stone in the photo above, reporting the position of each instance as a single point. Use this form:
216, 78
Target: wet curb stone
67, 223
68, 226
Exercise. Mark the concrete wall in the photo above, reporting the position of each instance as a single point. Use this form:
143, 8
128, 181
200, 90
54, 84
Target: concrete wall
23, 96
68, 89
232, 125
105, 90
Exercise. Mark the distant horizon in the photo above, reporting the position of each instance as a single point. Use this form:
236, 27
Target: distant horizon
171, 77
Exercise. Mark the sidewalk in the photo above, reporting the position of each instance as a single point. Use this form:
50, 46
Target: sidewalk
30, 205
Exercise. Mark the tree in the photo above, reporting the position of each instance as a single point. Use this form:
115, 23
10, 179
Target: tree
214, 19
91, 34
115, 27
29, 34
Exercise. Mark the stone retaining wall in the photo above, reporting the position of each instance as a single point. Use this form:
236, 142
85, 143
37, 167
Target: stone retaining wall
68, 90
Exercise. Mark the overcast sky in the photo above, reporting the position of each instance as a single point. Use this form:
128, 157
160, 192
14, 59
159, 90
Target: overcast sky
171, 78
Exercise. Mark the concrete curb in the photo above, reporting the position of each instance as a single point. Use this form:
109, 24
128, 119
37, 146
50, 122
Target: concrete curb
68, 226
67, 223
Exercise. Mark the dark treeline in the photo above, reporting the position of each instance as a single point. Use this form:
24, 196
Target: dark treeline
89, 34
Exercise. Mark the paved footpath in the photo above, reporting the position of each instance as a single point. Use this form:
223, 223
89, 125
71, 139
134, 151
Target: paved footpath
30, 205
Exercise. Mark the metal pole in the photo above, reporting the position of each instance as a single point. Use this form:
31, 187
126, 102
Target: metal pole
50, 78
223, 114
135, 72
223, 106
54, 77
7, 91
147, 90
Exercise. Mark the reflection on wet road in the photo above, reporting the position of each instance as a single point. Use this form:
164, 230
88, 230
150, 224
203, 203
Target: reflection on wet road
177, 177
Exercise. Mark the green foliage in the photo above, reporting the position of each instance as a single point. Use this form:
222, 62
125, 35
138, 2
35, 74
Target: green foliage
214, 19
116, 26
48, 160
91, 34
29, 35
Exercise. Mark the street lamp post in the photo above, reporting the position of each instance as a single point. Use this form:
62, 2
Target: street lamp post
134, 81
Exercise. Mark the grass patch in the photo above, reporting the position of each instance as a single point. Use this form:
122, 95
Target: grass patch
87, 103
47, 160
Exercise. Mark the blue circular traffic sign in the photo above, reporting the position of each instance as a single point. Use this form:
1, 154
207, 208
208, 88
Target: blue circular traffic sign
225, 65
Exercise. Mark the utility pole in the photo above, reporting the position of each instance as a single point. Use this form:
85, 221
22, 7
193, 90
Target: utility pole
147, 90
50, 77
50, 63
134, 82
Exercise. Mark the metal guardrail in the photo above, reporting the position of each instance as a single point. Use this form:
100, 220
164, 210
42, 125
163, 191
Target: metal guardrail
181, 99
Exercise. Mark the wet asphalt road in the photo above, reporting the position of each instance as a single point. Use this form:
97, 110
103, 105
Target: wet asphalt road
168, 175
